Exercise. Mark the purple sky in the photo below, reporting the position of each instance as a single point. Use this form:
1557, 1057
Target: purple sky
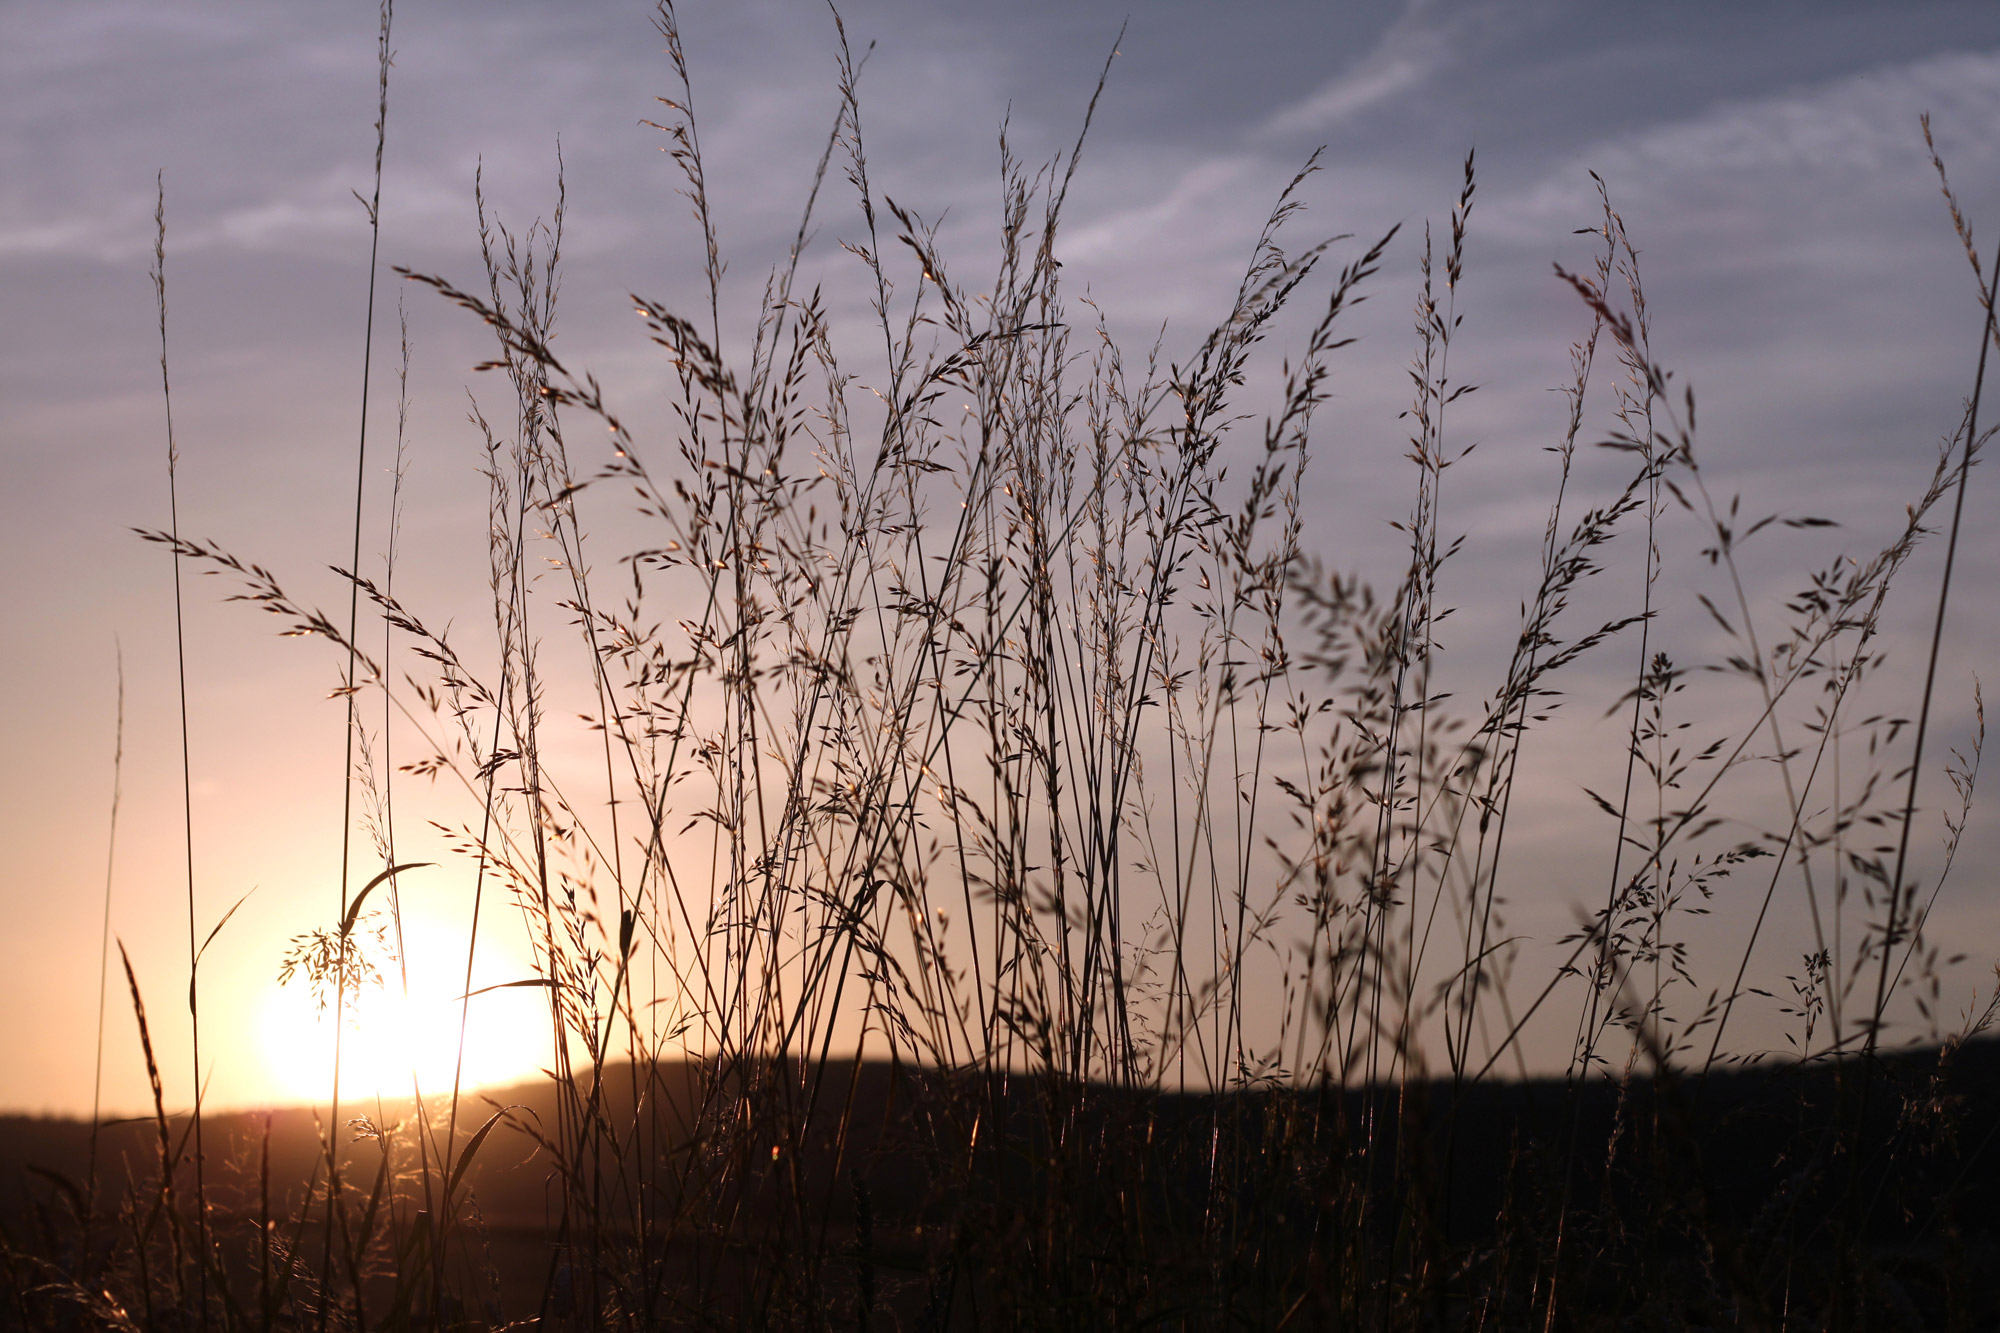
1801, 268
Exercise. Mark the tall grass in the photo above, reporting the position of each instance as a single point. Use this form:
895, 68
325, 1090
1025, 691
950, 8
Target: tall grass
1015, 881
187, 779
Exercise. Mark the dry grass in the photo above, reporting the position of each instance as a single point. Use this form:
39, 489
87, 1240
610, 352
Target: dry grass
1015, 884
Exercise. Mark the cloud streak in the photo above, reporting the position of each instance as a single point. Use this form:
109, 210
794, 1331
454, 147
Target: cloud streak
1845, 134
1418, 47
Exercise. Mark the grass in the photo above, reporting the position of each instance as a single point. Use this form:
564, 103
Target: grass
1012, 880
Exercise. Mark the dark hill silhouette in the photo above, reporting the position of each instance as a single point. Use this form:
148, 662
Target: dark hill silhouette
915, 1175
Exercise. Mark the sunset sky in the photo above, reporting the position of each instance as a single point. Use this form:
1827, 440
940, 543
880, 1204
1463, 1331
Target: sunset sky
1802, 274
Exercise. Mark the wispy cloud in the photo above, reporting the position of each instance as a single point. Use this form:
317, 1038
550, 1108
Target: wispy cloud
1420, 45
1847, 130
1193, 194
1203, 202
1362, 88
1214, 202
77, 237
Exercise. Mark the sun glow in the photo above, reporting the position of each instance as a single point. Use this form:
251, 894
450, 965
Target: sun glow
396, 1043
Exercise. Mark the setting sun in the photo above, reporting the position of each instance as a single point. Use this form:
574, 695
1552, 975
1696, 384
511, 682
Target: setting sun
393, 1038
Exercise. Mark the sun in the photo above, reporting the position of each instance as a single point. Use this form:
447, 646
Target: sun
397, 1043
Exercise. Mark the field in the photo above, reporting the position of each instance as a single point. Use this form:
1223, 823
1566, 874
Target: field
987, 861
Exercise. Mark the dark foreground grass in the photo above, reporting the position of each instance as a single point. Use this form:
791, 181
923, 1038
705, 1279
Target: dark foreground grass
1013, 881
1682, 1206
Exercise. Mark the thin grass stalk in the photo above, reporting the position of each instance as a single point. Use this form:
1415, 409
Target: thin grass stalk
187, 786
264, 1226
1498, 798
104, 944
420, 1110
1894, 921
1892, 931
163, 1199
1638, 422
373, 206
489, 770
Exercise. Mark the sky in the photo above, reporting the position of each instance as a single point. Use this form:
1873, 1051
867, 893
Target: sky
1801, 271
